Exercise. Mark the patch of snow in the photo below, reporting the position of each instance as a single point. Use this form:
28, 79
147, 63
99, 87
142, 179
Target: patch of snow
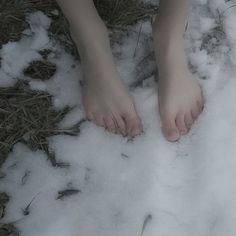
16, 56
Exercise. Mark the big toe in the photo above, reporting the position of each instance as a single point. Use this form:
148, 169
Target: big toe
136, 130
180, 122
170, 129
133, 124
171, 135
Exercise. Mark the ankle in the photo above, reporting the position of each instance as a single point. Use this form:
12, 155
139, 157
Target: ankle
162, 29
169, 49
91, 42
170, 55
168, 45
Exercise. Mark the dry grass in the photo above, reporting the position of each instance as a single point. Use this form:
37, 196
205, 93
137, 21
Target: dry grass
41, 69
66, 193
122, 13
117, 14
8, 230
13, 16
4, 198
12, 21
29, 117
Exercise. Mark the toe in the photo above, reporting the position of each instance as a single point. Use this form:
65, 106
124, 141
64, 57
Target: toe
99, 121
195, 111
89, 115
188, 120
181, 123
171, 135
133, 125
110, 124
121, 125
202, 101
136, 130
169, 128
200, 105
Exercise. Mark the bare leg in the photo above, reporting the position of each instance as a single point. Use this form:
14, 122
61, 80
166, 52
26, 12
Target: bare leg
105, 98
180, 96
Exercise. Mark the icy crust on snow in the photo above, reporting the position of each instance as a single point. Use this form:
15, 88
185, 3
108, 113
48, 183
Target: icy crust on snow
146, 186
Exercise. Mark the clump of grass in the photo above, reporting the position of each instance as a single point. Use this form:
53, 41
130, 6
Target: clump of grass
4, 198
40, 69
28, 116
45, 53
13, 16
12, 20
8, 230
117, 14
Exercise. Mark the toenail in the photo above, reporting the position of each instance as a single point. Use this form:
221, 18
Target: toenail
136, 131
113, 131
183, 131
174, 135
189, 125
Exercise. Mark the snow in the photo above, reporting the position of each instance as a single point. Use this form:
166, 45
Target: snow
16, 56
207, 24
184, 188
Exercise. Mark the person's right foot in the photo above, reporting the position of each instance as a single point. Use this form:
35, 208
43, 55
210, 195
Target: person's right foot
105, 98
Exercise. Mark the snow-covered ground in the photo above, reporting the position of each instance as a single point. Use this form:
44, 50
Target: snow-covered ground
144, 187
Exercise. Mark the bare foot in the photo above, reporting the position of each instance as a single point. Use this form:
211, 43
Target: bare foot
105, 98
180, 96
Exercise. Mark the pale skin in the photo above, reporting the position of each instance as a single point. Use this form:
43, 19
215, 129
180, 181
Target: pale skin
105, 98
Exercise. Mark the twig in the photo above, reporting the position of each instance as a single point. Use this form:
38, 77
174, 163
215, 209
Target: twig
139, 33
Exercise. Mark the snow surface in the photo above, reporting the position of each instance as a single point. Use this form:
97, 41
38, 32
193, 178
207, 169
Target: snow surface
147, 186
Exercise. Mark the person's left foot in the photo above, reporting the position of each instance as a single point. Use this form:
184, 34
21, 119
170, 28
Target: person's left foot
180, 96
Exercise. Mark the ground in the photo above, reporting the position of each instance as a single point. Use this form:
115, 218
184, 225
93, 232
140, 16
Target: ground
70, 177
